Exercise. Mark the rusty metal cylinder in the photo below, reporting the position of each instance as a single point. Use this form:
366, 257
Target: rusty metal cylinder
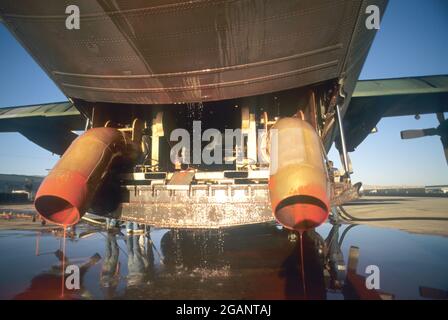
67, 192
299, 188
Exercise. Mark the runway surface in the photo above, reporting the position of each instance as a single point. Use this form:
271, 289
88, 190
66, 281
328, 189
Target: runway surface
413, 214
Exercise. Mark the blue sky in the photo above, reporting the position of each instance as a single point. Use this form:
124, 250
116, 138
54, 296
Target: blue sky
413, 41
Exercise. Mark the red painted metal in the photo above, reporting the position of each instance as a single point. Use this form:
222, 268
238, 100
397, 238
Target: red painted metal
298, 183
67, 192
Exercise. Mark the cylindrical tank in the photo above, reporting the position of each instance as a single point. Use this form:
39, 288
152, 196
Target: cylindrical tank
298, 183
67, 192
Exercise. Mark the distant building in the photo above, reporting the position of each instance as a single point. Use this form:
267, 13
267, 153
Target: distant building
437, 189
416, 191
18, 187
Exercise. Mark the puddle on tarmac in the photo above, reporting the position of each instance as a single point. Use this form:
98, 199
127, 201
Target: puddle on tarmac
252, 262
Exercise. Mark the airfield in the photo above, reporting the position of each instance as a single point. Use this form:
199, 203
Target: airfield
401, 235
425, 215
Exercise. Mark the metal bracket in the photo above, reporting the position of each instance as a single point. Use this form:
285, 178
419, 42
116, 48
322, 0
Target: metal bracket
157, 132
249, 129
344, 154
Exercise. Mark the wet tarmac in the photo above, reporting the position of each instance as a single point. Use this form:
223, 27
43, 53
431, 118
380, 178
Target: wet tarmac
251, 262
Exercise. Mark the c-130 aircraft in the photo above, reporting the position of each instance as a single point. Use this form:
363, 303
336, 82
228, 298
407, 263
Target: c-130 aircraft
280, 76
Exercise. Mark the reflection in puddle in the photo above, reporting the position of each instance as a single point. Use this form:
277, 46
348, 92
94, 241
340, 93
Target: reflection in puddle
252, 262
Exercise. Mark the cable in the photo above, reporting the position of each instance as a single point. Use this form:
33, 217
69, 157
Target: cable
93, 221
345, 232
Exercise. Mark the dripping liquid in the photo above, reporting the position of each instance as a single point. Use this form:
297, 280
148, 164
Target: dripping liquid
302, 264
63, 263
37, 243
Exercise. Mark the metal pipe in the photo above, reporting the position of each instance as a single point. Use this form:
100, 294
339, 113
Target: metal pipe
341, 134
298, 182
68, 190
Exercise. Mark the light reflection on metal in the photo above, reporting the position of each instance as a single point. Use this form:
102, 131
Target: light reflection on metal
68, 190
298, 186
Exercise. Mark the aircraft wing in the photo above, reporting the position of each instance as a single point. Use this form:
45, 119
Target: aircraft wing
48, 125
375, 99
51, 125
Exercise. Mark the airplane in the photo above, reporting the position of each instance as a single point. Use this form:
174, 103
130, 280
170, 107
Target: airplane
278, 77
